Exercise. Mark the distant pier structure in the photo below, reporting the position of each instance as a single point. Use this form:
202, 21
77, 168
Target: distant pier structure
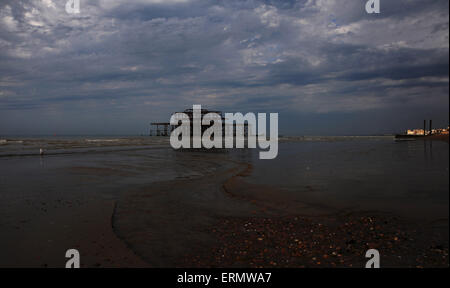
160, 129
165, 128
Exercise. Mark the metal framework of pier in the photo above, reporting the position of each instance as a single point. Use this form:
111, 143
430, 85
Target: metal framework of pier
165, 128
160, 129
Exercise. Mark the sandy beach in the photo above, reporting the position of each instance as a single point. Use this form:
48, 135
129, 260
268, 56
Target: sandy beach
267, 232
44, 240
148, 206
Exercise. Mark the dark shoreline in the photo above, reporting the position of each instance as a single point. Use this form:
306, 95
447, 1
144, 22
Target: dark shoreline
268, 232
208, 205
439, 137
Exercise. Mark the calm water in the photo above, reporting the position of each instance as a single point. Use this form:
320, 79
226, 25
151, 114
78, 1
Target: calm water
410, 178
348, 173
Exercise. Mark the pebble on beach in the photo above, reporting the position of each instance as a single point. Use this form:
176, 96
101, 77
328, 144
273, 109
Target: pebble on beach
304, 242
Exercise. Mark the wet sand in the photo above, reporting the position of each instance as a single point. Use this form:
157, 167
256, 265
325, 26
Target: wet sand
44, 240
222, 221
164, 221
161, 208
444, 137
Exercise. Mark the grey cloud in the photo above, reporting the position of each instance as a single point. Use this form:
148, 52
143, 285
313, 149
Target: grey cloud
294, 57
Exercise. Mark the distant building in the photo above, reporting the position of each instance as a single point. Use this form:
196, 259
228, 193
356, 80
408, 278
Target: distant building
443, 131
416, 132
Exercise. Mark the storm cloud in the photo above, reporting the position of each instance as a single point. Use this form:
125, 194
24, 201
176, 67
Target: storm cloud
327, 67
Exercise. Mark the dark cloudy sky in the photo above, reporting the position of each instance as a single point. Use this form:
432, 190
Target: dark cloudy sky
326, 66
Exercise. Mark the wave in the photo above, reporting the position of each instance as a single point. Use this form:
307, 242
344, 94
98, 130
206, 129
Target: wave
103, 140
330, 138
5, 141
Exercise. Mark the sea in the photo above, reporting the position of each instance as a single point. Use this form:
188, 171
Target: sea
344, 173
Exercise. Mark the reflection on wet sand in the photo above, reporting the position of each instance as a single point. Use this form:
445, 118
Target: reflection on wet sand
141, 204
221, 220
